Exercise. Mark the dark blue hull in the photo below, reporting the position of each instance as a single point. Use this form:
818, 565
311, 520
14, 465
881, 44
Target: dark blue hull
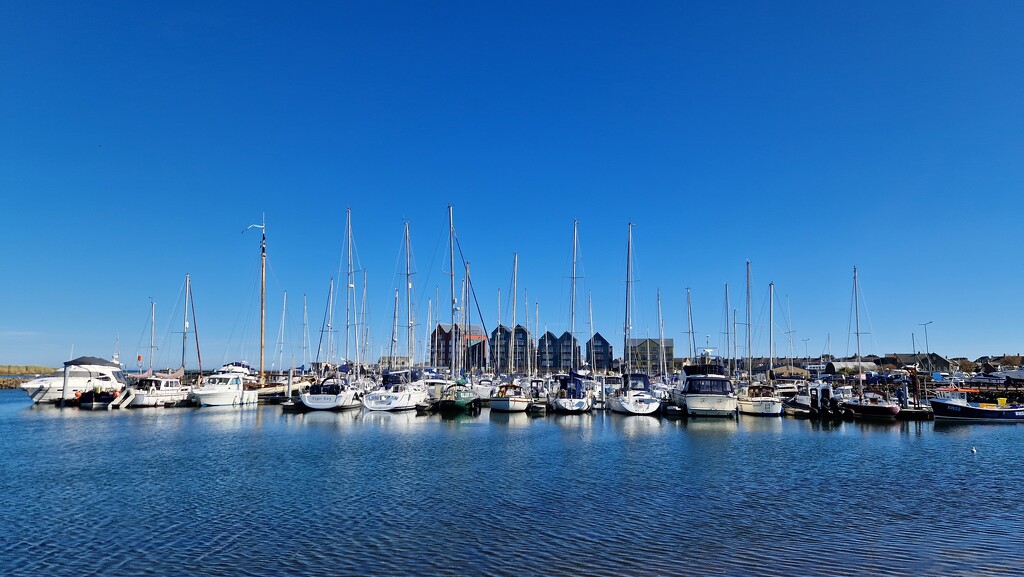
972, 412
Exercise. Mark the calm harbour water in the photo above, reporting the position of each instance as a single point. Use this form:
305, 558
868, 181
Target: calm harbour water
257, 492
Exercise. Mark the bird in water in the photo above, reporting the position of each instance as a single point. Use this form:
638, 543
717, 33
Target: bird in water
974, 450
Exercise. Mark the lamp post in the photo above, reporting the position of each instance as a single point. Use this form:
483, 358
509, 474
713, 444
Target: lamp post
927, 352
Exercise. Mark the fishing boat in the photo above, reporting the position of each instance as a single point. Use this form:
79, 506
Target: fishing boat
227, 387
953, 403
706, 391
510, 398
459, 397
79, 376
569, 395
401, 391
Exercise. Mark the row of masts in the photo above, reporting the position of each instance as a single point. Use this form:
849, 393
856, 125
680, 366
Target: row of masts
456, 356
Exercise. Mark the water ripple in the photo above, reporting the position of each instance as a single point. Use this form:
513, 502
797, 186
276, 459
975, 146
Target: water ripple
261, 493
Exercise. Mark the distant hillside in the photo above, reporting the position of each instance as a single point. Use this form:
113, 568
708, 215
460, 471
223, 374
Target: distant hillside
24, 370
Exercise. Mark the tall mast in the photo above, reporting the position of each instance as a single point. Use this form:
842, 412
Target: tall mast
661, 340
305, 334
349, 283
408, 295
572, 305
689, 322
497, 339
451, 269
735, 351
590, 309
394, 334
363, 336
629, 283
195, 330
728, 353
284, 307
529, 339
184, 324
750, 354
263, 298
152, 330
771, 329
856, 308
512, 340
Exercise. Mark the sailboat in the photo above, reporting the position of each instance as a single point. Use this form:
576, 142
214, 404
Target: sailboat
761, 398
635, 396
166, 389
867, 404
336, 392
402, 390
458, 396
510, 397
570, 395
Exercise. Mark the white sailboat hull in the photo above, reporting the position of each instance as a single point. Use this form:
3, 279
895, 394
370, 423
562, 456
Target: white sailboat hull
339, 402
509, 404
385, 401
632, 404
570, 406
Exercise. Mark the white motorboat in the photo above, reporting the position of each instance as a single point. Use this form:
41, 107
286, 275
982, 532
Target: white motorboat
160, 391
510, 398
226, 387
635, 396
758, 399
706, 391
399, 393
569, 395
78, 376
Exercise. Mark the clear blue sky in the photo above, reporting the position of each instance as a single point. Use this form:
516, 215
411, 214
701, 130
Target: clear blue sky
138, 139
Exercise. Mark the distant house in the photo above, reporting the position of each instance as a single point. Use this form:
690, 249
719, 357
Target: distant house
647, 354
472, 354
924, 362
547, 354
599, 353
501, 343
568, 352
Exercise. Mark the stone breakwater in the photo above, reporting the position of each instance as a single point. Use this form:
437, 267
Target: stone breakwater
10, 382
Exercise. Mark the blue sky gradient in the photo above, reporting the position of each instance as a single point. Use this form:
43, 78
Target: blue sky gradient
137, 141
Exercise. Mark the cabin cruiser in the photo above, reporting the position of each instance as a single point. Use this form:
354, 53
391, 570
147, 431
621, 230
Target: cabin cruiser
159, 391
706, 391
78, 376
226, 387
758, 399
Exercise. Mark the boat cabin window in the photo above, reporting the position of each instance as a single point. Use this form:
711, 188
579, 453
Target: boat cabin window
709, 386
637, 383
